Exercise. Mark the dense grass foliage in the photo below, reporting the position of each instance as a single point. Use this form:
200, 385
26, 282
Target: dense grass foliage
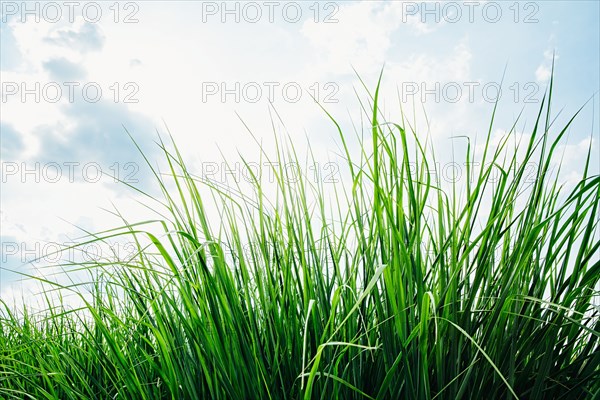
390, 285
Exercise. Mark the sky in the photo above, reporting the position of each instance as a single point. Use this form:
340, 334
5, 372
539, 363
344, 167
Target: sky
80, 80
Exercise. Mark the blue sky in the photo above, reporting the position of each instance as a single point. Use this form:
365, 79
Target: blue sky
159, 70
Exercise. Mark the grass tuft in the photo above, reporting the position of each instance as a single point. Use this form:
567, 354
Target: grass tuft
388, 285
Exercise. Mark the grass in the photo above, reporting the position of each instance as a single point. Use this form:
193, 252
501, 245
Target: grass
392, 285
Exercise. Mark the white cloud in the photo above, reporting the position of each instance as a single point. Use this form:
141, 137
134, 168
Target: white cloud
544, 70
542, 73
361, 37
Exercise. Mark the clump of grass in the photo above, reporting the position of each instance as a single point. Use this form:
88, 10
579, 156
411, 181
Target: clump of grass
388, 287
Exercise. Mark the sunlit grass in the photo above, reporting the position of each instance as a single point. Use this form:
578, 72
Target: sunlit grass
389, 285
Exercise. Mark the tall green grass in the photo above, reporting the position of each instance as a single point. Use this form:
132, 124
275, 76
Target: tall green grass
388, 285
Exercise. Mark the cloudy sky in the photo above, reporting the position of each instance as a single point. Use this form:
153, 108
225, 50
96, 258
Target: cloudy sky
76, 76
